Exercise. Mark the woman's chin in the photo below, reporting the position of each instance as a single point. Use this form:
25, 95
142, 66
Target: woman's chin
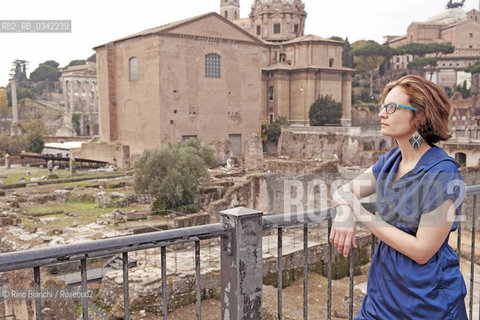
385, 132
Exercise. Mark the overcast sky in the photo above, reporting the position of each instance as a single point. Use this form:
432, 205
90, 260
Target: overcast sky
96, 22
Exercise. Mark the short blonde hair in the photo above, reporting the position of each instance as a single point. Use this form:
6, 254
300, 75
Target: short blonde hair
432, 114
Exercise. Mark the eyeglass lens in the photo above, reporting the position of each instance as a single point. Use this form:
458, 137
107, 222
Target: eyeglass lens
389, 107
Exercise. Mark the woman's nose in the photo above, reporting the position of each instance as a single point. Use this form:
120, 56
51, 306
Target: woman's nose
383, 113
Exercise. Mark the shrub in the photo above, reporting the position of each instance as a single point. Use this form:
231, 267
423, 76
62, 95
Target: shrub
271, 131
325, 110
173, 173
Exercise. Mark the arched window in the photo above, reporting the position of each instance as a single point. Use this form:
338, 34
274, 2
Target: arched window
133, 68
212, 65
235, 15
226, 14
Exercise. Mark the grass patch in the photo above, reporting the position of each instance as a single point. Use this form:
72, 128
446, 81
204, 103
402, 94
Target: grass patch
15, 174
86, 213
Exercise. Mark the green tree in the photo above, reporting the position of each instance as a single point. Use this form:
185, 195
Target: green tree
474, 70
76, 63
337, 38
52, 63
172, 174
325, 110
414, 48
3, 103
45, 72
347, 57
76, 123
4, 112
29, 139
422, 62
419, 52
368, 56
32, 132
19, 69
463, 89
92, 58
271, 131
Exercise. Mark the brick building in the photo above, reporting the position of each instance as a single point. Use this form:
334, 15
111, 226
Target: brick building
454, 26
215, 77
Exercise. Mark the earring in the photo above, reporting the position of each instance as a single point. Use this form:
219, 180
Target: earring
416, 140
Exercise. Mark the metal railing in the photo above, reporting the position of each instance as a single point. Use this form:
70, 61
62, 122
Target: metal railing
240, 231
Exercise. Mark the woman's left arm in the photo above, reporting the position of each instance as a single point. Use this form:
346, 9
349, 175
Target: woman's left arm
432, 231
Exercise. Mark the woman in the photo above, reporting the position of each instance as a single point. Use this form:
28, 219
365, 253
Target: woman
414, 273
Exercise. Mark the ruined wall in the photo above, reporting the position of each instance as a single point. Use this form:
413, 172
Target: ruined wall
25, 308
295, 186
323, 143
116, 154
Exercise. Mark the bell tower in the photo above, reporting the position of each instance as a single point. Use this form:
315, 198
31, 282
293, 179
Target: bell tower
230, 9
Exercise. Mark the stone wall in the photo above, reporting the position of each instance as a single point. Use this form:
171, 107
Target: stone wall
116, 154
190, 220
295, 187
352, 146
324, 143
253, 155
25, 308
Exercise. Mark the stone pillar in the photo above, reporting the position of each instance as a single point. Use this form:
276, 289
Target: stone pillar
72, 164
95, 97
346, 119
70, 92
7, 161
87, 96
65, 95
14, 101
241, 258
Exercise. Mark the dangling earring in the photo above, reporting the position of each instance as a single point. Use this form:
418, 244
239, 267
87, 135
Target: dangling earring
416, 140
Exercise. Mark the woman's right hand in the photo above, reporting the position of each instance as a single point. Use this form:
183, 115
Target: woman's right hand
343, 231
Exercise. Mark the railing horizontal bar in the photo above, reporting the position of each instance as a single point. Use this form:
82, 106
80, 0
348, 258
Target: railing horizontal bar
473, 189
300, 218
296, 218
108, 253
35, 257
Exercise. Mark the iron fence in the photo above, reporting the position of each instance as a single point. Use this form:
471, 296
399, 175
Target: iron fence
240, 232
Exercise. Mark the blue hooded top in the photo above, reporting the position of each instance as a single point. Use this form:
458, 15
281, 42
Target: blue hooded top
398, 287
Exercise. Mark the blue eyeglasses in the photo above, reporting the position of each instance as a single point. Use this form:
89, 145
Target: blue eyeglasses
392, 107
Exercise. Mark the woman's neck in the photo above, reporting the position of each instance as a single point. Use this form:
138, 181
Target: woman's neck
411, 155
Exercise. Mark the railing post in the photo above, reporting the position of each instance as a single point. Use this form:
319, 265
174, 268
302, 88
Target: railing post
241, 260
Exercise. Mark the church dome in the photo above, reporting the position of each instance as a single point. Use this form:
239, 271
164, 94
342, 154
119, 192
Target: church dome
448, 16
